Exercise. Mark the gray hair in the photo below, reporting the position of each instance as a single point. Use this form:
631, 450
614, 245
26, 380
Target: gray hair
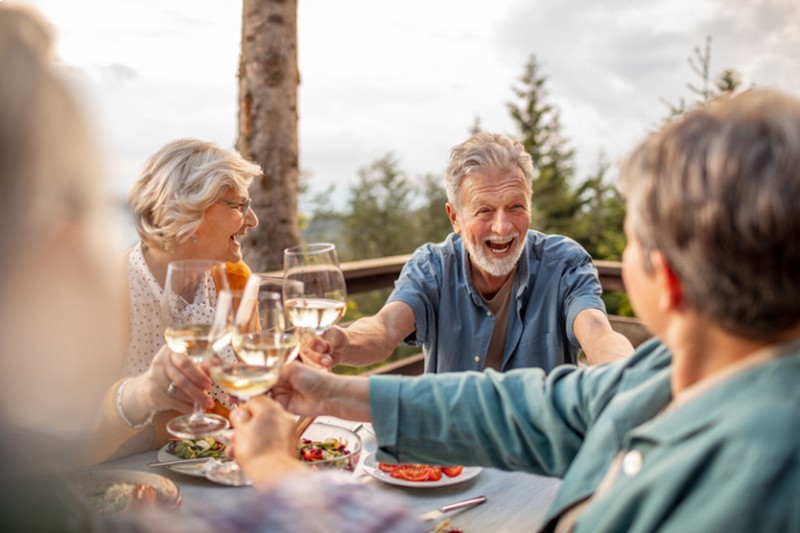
718, 193
179, 182
485, 152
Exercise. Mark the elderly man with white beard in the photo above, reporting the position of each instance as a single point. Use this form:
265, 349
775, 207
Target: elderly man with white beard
494, 294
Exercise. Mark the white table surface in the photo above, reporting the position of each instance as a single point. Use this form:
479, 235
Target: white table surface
516, 501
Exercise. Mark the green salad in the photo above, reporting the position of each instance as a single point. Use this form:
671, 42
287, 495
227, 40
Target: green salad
197, 448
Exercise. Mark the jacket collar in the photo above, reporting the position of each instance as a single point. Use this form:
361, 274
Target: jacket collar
715, 404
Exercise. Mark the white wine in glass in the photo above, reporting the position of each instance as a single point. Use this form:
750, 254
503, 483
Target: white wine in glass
262, 345
198, 318
323, 297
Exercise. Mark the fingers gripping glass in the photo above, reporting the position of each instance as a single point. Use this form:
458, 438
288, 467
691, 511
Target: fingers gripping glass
197, 323
262, 344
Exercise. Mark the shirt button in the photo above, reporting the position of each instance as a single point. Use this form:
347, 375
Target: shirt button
632, 462
488, 313
477, 358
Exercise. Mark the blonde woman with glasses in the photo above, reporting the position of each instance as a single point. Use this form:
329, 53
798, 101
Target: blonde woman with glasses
191, 201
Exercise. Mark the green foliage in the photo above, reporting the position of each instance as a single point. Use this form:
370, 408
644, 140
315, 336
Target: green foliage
555, 203
401, 352
379, 222
592, 211
598, 223
430, 219
324, 224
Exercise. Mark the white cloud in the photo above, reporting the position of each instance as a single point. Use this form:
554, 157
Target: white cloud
409, 78
611, 64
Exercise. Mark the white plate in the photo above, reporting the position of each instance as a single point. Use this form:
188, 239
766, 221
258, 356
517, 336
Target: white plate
195, 469
93, 483
370, 466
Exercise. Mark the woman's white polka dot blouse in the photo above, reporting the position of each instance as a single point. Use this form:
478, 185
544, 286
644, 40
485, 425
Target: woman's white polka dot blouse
146, 334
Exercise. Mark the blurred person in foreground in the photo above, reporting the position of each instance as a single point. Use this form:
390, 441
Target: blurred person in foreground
62, 321
698, 430
190, 201
494, 294
61, 311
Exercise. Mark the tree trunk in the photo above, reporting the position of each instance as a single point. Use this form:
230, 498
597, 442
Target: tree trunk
268, 80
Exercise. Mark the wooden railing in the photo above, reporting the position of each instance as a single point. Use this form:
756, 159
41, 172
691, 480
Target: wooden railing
371, 274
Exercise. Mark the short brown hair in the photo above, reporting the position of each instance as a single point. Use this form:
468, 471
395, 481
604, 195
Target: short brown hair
718, 192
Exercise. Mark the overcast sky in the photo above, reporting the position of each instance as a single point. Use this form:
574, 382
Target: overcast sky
409, 78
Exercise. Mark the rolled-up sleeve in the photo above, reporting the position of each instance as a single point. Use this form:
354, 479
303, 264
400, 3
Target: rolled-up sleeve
581, 290
418, 287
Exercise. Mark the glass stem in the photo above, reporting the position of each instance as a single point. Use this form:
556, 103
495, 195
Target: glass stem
197, 413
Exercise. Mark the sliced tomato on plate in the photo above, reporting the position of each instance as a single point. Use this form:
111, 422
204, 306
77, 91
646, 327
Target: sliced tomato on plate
412, 472
452, 471
435, 473
419, 473
387, 467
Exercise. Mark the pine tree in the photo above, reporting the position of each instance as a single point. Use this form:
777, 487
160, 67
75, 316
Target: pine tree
431, 221
379, 222
727, 82
539, 125
598, 223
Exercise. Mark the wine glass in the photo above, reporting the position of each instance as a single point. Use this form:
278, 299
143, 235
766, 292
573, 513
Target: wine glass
262, 344
323, 299
196, 323
286, 288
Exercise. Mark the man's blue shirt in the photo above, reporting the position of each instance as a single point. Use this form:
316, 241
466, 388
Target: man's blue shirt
554, 281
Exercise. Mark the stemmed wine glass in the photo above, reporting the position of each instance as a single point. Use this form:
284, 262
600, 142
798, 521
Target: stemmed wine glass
285, 288
262, 344
321, 301
196, 323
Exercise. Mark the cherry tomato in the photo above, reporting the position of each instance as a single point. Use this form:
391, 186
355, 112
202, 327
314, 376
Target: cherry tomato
312, 454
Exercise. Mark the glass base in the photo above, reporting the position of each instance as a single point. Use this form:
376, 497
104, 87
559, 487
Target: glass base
197, 426
227, 473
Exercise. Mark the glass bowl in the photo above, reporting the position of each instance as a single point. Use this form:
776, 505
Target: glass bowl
316, 457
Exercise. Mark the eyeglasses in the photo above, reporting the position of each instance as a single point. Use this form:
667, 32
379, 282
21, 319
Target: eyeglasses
242, 206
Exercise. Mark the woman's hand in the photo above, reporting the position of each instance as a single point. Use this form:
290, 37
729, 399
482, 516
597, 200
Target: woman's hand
153, 390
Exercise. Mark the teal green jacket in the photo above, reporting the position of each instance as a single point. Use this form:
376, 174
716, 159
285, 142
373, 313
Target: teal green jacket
727, 460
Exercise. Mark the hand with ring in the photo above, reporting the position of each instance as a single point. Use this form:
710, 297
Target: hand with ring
172, 381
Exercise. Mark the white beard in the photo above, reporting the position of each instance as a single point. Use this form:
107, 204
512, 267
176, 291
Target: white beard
494, 266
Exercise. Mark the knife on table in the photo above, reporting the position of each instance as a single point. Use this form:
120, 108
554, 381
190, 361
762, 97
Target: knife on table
439, 512
188, 461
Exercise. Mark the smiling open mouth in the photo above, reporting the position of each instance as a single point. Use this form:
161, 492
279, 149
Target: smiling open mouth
500, 246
